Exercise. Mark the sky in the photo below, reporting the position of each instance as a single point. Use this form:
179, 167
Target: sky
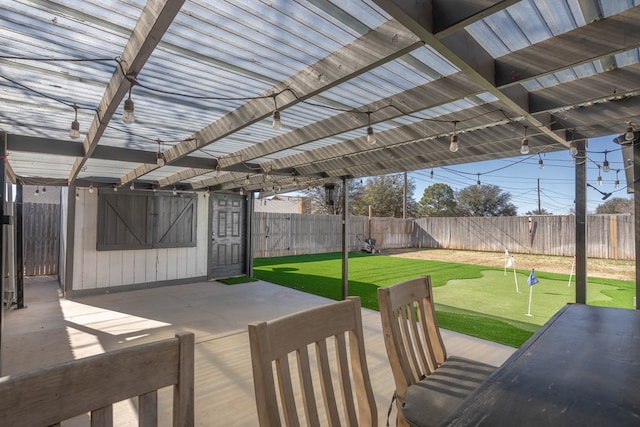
519, 176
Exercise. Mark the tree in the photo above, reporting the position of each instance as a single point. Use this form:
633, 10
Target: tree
485, 200
384, 195
617, 205
318, 195
541, 211
437, 200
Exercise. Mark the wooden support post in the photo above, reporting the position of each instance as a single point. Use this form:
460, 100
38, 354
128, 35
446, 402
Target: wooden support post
19, 247
3, 156
581, 223
345, 235
636, 205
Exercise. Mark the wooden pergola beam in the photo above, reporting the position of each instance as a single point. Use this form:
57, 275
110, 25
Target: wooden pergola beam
154, 21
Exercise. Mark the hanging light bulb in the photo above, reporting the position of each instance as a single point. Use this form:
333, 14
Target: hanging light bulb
90, 188
629, 135
128, 116
44, 189
160, 156
371, 136
431, 174
599, 177
77, 195
453, 147
540, 162
573, 149
242, 191
247, 181
617, 183
524, 148
37, 192
605, 165
132, 186
175, 191
478, 181
74, 132
115, 188
276, 124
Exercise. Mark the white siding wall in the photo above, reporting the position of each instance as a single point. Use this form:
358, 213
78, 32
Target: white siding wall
94, 269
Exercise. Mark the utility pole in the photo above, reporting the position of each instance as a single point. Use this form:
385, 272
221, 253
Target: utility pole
404, 197
539, 210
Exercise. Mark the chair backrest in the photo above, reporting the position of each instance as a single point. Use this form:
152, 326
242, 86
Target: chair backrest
411, 334
326, 344
48, 396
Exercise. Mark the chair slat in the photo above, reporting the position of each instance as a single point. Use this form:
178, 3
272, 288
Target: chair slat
287, 395
306, 384
148, 409
328, 392
425, 355
102, 417
345, 381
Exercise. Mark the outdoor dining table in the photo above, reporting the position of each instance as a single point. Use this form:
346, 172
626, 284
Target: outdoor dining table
582, 368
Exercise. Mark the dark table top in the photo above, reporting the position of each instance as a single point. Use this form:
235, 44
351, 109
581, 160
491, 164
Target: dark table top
581, 368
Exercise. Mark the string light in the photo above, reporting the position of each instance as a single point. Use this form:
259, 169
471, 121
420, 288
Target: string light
175, 191
115, 188
128, 116
617, 183
247, 181
573, 149
160, 156
44, 189
629, 135
276, 124
605, 165
478, 181
132, 186
453, 147
91, 188
371, 136
242, 191
37, 192
540, 162
74, 132
431, 174
599, 177
77, 194
524, 148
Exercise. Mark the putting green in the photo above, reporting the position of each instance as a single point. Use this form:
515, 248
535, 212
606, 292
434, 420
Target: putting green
495, 294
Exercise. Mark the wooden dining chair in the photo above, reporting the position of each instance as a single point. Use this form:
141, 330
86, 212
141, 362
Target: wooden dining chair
311, 366
429, 384
49, 396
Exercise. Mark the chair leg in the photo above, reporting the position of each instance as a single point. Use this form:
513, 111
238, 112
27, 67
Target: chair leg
401, 421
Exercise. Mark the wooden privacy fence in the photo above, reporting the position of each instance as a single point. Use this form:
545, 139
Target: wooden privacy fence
41, 231
608, 236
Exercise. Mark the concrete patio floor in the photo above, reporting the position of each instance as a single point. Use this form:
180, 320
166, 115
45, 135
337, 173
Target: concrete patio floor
51, 330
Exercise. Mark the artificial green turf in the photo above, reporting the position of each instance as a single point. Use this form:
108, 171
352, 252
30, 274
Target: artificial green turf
475, 300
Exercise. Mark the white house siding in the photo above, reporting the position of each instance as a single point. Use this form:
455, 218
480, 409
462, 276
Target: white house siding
104, 269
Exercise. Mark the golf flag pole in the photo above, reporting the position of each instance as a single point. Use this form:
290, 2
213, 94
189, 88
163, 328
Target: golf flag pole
573, 266
507, 255
515, 276
531, 280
